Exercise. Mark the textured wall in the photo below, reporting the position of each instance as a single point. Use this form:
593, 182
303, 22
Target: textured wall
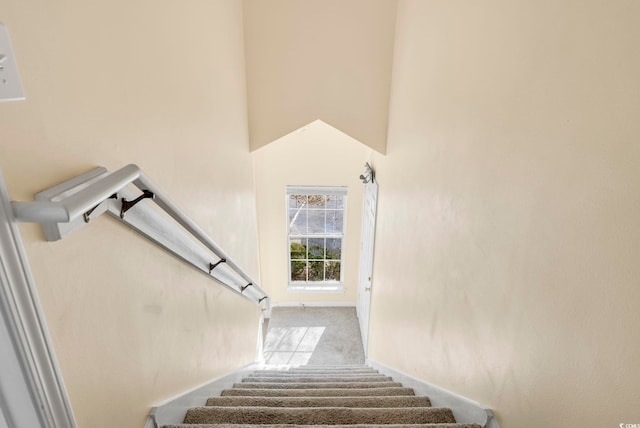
509, 208
316, 155
319, 59
160, 84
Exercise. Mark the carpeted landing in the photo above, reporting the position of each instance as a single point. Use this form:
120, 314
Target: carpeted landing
319, 396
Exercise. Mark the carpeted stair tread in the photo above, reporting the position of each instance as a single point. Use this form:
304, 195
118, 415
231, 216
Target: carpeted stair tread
325, 379
347, 377
451, 425
318, 392
309, 385
343, 396
271, 373
334, 366
377, 402
326, 370
318, 416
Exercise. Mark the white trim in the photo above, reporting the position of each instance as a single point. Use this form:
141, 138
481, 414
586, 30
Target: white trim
366, 260
312, 304
267, 314
464, 410
322, 287
150, 423
260, 340
34, 394
173, 409
317, 190
3, 421
317, 286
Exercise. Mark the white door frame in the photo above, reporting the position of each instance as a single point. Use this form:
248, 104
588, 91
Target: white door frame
367, 244
32, 393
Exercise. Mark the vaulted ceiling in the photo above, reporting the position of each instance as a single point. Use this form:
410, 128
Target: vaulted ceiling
319, 59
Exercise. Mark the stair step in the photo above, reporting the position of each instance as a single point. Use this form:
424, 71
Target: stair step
320, 370
325, 379
318, 416
330, 370
282, 373
449, 425
334, 366
318, 392
378, 402
313, 373
343, 396
309, 385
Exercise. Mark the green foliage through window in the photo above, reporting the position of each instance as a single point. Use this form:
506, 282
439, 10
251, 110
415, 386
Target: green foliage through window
316, 232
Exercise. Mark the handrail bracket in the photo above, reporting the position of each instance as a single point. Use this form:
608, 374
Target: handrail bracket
87, 216
212, 266
127, 205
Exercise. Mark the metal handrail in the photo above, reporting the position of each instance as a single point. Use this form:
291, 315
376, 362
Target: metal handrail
87, 199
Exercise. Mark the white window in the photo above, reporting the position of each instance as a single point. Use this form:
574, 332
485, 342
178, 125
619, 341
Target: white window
316, 218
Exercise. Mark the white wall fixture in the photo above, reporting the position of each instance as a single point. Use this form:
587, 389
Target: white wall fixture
10, 85
70, 205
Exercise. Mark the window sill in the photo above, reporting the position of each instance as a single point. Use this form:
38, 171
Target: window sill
326, 288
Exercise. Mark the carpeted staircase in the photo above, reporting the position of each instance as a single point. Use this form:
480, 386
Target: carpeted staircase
354, 396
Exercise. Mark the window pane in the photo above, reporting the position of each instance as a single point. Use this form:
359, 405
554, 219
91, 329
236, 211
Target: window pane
297, 221
332, 202
298, 271
298, 248
334, 248
316, 201
297, 201
332, 271
335, 220
316, 271
316, 228
316, 221
316, 248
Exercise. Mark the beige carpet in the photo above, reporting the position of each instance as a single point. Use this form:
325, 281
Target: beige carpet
378, 402
318, 416
315, 397
325, 392
321, 336
311, 385
325, 426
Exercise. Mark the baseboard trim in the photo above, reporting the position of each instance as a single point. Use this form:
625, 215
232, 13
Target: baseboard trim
464, 410
312, 304
173, 409
309, 305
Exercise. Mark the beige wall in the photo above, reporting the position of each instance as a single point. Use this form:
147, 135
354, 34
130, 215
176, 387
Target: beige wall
509, 211
315, 155
319, 59
160, 84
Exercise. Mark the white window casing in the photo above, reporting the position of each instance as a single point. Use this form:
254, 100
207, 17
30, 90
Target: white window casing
315, 238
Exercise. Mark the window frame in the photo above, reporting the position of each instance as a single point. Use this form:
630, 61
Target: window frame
323, 286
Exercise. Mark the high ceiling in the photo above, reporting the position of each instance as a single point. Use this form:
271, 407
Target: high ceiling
319, 59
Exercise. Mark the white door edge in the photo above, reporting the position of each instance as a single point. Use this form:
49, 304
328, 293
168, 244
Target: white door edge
32, 392
367, 246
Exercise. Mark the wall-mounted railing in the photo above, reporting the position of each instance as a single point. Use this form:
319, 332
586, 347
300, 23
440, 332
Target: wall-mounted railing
74, 203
